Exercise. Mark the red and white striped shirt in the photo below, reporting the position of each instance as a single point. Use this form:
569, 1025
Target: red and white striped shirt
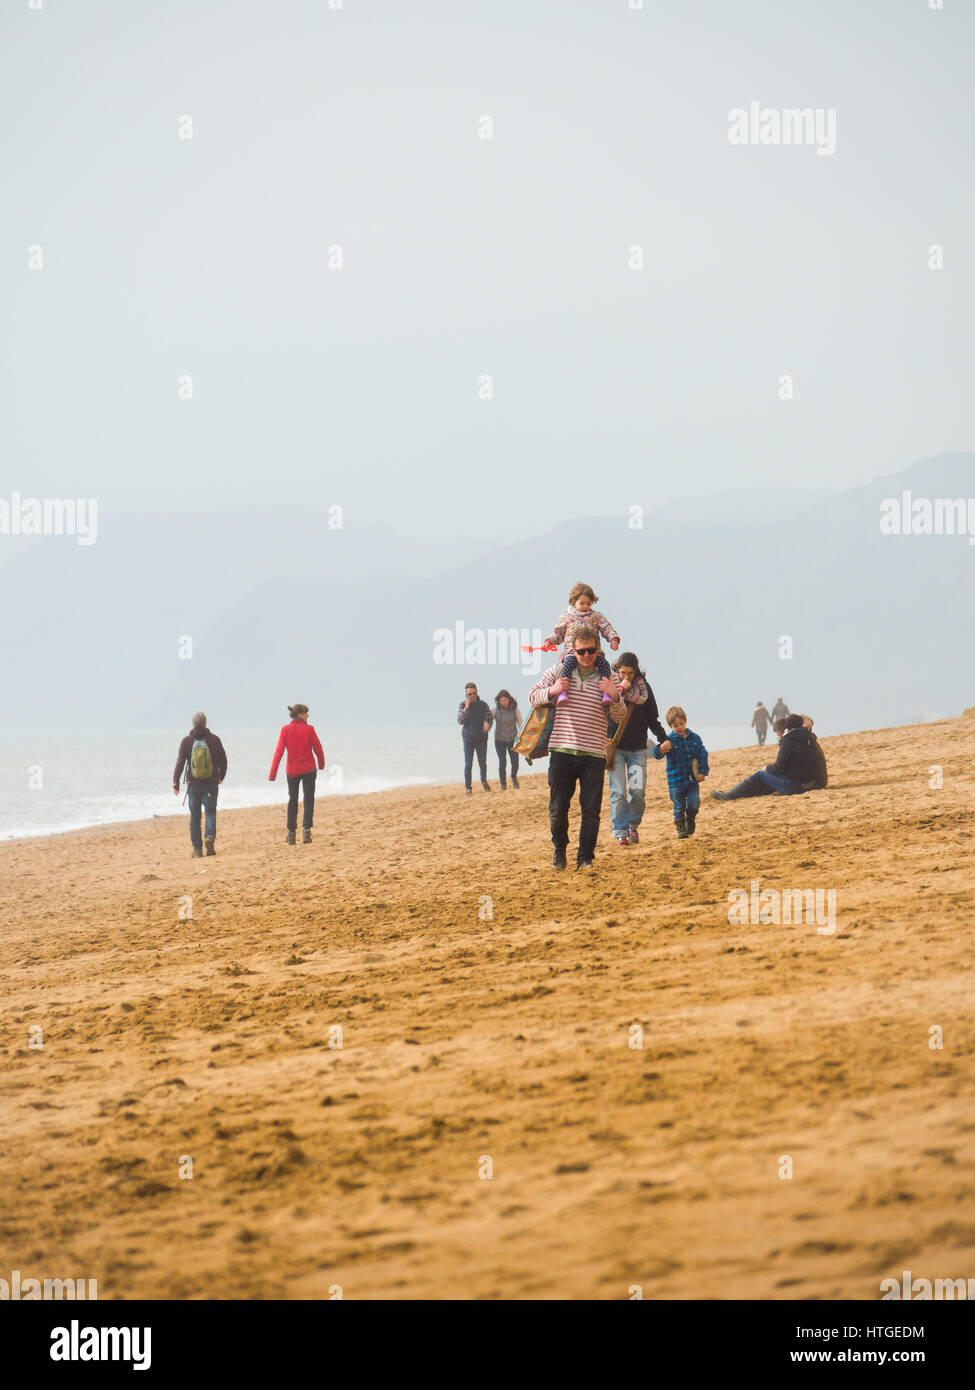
580, 721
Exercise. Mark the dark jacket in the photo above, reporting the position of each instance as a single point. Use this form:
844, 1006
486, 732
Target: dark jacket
821, 780
217, 756
798, 757
645, 717
473, 719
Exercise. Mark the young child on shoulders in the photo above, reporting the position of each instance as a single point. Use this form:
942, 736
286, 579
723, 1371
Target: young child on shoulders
687, 764
581, 613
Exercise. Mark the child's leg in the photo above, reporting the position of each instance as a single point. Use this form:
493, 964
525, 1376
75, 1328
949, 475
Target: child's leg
569, 664
678, 796
602, 665
693, 806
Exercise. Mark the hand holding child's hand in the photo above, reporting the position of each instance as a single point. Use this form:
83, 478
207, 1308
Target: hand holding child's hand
665, 747
607, 687
560, 685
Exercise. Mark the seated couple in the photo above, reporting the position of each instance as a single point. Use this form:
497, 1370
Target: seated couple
799, 767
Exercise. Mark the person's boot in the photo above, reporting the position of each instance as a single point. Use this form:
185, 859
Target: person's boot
514, 781
209, 844
291, 837
558, 859
197, 852
486, 786
691, 822
681, 828
306, 836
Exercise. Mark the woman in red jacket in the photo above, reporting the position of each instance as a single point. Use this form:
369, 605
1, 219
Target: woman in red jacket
303, 746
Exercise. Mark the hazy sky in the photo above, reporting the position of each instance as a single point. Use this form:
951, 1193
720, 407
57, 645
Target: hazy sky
358, 127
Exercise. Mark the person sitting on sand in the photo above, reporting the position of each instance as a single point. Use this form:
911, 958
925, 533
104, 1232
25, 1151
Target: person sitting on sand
507, 721
760, 721
304, 747
577, 750
778, 729
822, 774
797, 768
203, 756
628, 776
687, 764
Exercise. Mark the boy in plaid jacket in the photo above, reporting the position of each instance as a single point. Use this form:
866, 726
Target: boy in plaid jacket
687, 764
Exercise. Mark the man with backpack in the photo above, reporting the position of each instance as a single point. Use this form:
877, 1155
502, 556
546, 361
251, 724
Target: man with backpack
202, 754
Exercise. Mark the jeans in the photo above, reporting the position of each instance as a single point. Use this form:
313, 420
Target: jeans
502, 749
629, 771
764, 784
685, 799
471, 746
761, 734
202, 799
564, 771
306, 783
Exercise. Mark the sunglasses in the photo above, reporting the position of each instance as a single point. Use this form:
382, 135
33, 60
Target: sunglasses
586, 651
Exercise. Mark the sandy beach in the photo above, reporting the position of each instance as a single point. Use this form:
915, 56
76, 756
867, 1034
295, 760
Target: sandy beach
489, 1127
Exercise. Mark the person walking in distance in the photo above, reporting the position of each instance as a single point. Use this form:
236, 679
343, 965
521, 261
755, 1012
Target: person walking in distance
507, 721
780, 710
202, 755
760, 721
304, 748
475, 719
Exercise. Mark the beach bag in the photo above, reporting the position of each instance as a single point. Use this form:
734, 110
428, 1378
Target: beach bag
201, 764
533, 736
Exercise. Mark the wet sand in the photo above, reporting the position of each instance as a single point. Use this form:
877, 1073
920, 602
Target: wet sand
489, 1011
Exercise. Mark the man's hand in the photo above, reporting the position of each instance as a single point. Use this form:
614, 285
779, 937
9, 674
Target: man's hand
560, 685
486, 726
615, 643
176, 791
607, 686
666, 746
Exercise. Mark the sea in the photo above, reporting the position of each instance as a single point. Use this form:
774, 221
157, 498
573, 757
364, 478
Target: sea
57, 780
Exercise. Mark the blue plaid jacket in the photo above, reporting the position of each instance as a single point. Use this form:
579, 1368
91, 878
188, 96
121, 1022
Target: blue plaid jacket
682, 750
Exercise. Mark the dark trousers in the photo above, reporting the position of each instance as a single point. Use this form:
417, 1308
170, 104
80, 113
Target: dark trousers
685, 799
306, 784
761, 734
471, 746
564, 771
202, 799
766, 783
502, 749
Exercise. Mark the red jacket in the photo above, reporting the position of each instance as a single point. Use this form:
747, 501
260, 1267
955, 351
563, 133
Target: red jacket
303, 747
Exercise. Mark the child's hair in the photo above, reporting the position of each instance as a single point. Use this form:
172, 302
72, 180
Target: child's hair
295, 710
675, 712
497, 697
580, 590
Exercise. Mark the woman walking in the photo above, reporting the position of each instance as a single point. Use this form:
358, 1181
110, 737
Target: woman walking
507, 721
303, 746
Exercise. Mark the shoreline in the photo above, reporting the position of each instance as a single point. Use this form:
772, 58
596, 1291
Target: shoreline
321, 798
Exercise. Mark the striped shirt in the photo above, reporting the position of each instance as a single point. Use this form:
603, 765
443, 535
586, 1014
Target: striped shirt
580, 721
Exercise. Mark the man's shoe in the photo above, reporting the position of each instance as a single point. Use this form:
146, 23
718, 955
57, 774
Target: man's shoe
209, 844
583, 864
291, 837
197, 853
503, 786
467, 790
691, 822
558, 859
514, 781
486, 786
721, 796
681, 828
306, 837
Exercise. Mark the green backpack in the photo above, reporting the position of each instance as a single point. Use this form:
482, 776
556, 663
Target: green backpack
534, 735
200, 764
